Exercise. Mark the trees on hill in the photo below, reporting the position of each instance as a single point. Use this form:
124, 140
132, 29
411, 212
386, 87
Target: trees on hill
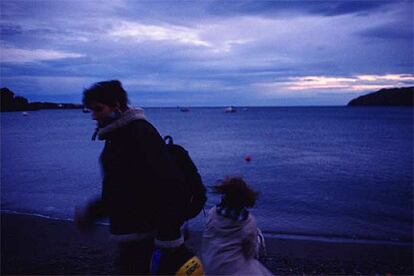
11, 102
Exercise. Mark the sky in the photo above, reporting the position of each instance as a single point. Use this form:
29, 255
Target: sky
207, 53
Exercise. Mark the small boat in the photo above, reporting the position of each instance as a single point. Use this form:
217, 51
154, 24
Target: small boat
24, 113
184, 109
229, 109
85, 110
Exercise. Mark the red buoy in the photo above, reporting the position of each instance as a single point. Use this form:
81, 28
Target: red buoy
248, 158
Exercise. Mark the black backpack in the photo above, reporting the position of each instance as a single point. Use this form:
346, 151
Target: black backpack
195, 192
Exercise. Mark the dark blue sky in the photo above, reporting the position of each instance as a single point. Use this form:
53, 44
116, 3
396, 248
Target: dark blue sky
207, 53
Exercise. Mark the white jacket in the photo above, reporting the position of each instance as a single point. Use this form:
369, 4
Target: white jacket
229, 247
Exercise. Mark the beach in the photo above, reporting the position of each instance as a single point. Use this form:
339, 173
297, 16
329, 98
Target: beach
37, 245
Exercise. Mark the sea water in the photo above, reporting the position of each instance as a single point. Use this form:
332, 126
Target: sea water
322, 172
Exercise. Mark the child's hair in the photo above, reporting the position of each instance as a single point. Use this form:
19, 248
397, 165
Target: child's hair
106, 92
236, 193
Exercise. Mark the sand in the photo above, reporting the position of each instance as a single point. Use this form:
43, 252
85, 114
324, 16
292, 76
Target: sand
36, 245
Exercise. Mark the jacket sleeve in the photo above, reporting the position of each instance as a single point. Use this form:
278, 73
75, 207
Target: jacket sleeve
168, 180
99, 206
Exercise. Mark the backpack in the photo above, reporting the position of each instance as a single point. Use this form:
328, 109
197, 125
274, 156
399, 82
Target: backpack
194, 190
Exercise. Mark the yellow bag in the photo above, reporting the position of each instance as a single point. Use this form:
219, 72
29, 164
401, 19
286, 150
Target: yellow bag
192, 267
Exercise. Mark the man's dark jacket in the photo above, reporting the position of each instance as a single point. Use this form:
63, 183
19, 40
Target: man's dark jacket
142, 187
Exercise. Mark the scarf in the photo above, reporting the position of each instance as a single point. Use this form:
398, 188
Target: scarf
126, 117
231, 213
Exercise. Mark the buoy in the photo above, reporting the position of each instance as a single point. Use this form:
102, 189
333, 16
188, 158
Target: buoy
248, 158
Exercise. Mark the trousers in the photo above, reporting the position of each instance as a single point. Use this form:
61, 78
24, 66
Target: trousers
135, 257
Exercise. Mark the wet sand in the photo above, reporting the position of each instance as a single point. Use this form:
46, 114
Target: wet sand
36, 245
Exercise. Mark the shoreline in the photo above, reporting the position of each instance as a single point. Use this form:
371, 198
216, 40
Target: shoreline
38, 245
268, 235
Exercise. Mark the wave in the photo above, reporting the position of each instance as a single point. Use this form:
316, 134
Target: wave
335, 238
42, 216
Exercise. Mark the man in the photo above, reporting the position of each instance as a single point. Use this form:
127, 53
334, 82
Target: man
141, 188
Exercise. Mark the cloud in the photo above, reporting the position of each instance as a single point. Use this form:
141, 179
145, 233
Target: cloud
203, 37
234, 47
141, 32
16, 55
315, 82
334, 8
321, 84
295, 8
10, 29
388, 31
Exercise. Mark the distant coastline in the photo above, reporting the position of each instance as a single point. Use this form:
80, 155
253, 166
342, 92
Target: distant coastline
403, 96
12, 102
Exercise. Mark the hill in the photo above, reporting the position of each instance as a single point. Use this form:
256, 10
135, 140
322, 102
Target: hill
386, 97
11, 102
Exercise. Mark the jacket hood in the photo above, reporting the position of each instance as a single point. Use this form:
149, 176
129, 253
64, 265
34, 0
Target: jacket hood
126, 117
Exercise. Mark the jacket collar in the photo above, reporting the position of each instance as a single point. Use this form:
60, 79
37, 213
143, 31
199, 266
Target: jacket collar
127, 117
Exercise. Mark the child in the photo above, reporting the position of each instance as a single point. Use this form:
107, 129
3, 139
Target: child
229, 244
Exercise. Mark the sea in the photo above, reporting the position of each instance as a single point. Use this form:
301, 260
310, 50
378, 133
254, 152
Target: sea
323, 173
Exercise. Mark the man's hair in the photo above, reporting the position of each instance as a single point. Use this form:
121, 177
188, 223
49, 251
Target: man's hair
106, 92
236, 193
